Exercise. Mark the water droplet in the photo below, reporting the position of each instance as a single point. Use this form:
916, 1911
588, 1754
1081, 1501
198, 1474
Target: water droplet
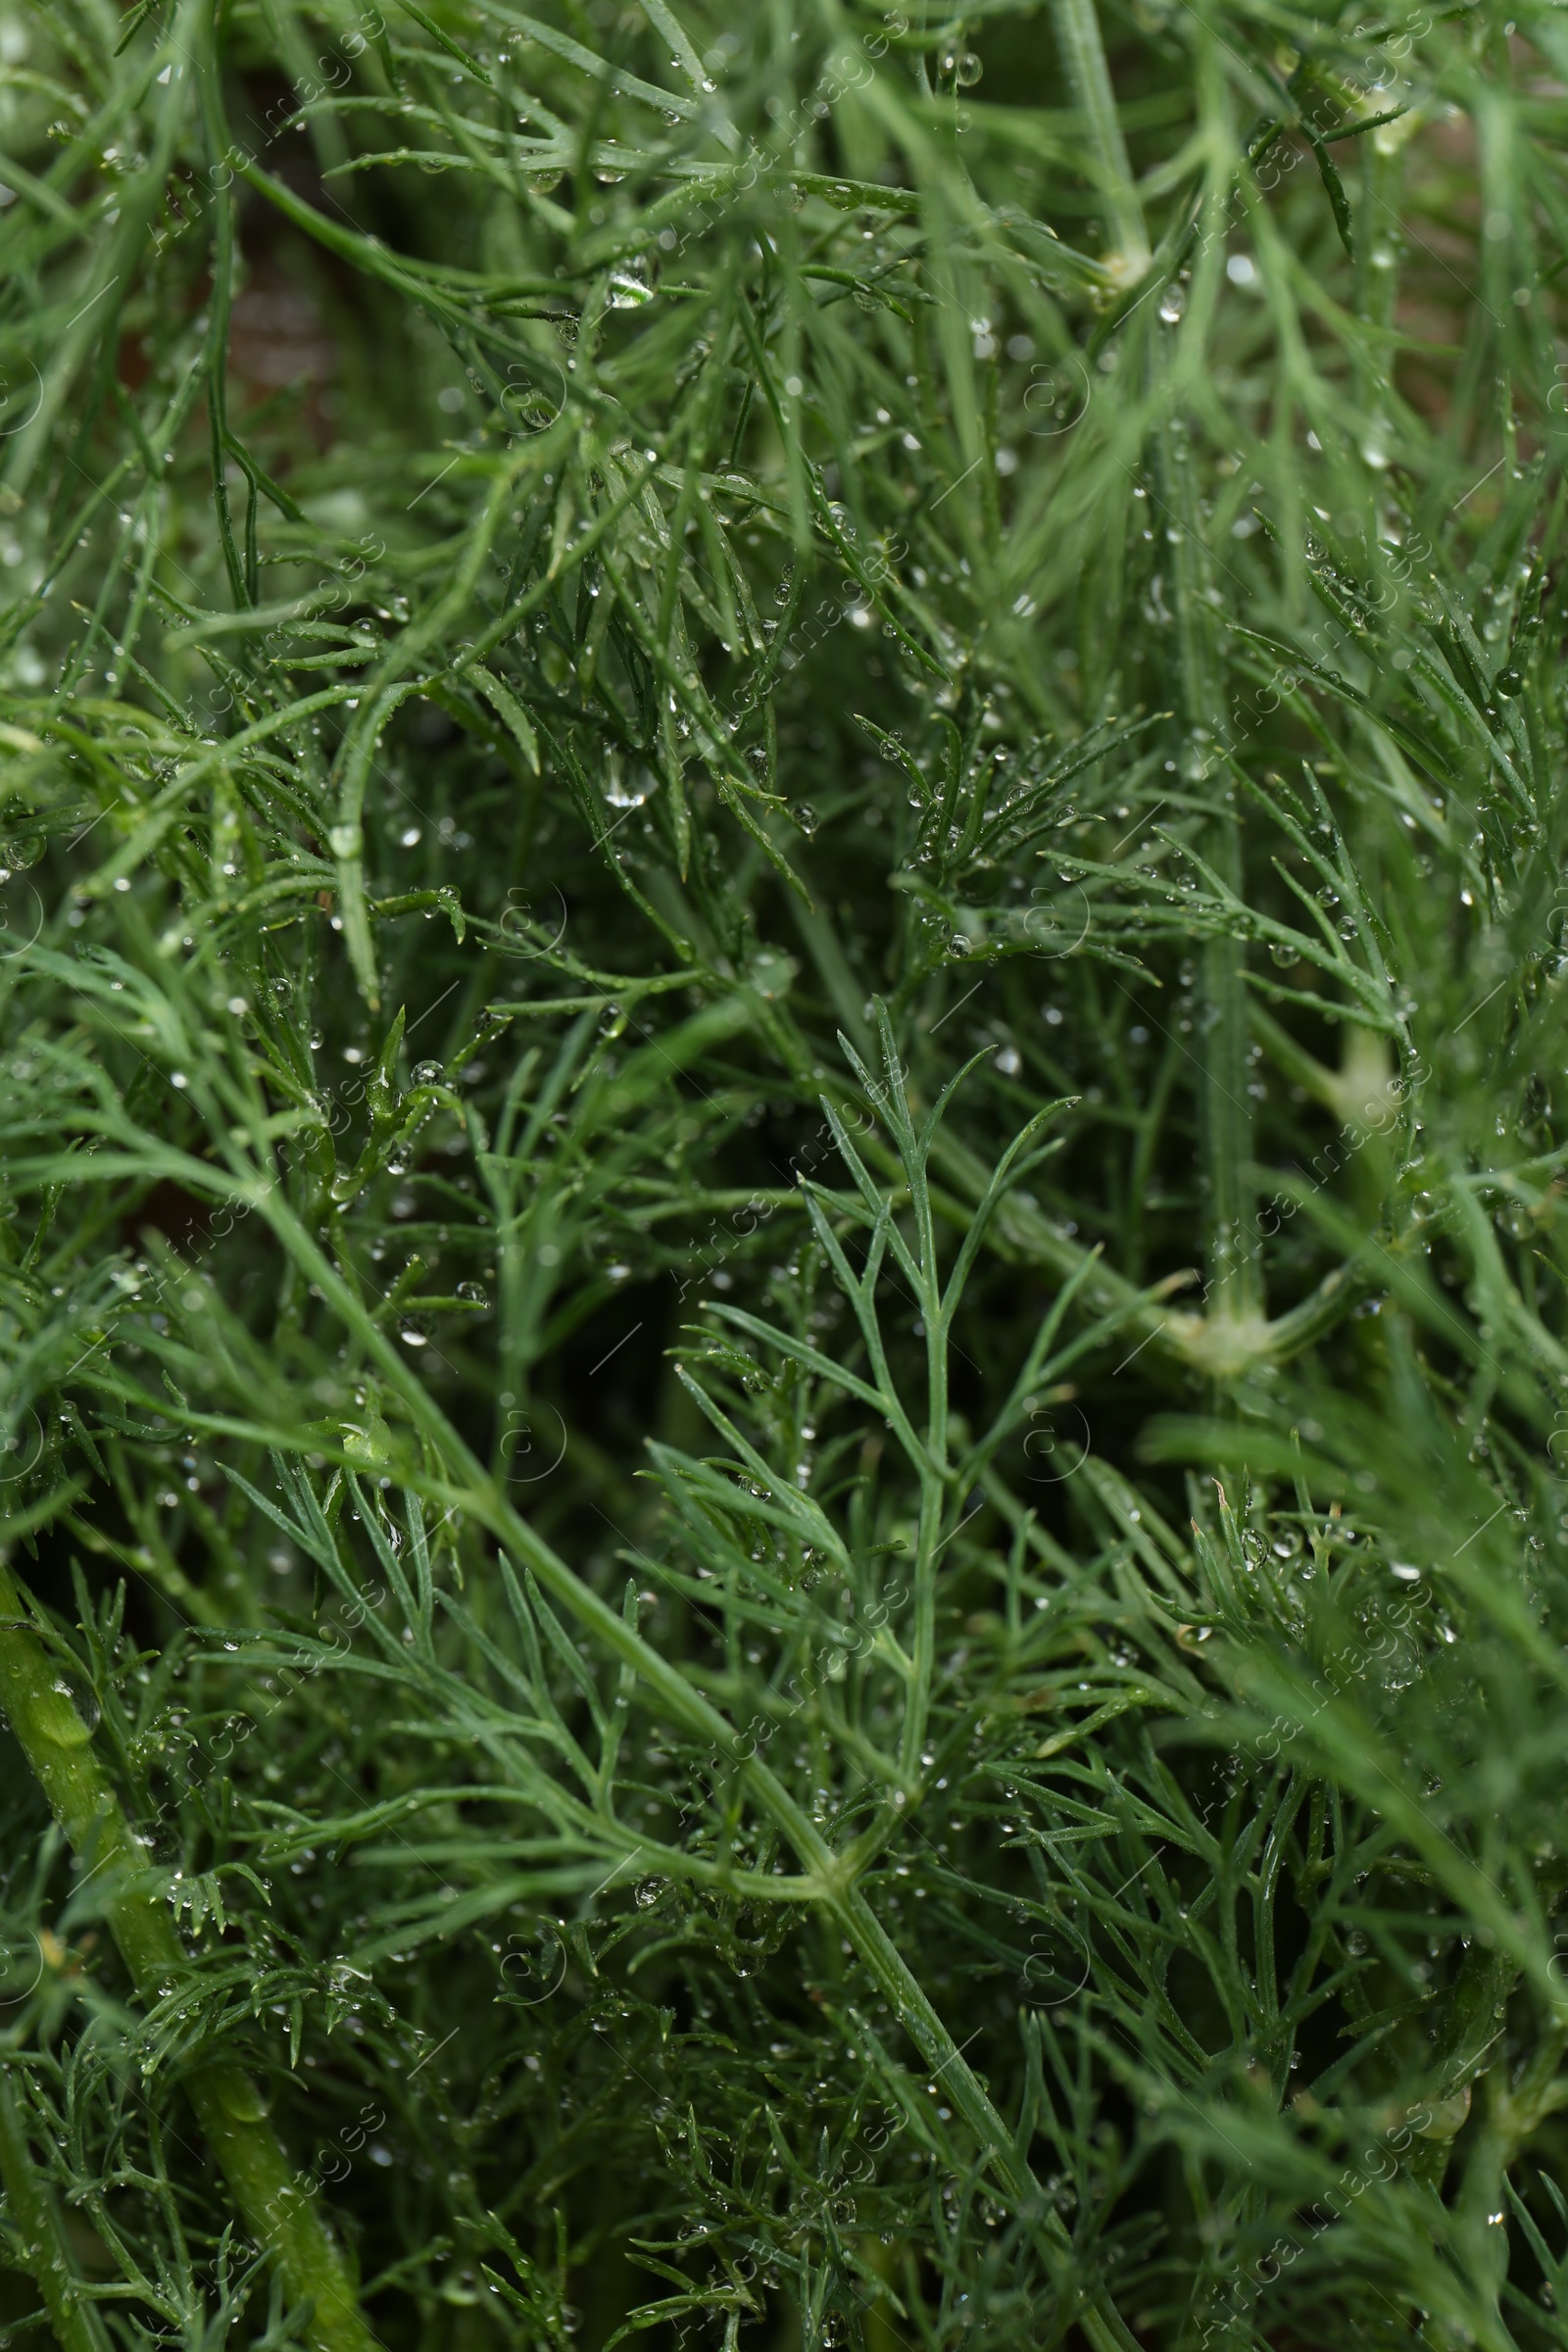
631, 284
629, 792
67, 1712
368, 1442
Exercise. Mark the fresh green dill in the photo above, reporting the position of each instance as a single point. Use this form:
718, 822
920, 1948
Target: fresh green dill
782, 1363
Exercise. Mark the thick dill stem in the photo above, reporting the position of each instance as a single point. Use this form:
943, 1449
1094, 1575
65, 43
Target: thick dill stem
77, 2325
267, 2193
1235, 1282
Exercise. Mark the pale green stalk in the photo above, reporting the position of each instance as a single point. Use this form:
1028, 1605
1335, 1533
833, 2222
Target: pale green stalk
268, 2195
1083, 53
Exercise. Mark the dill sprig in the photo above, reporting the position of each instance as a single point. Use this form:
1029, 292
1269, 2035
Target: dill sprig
779, 1218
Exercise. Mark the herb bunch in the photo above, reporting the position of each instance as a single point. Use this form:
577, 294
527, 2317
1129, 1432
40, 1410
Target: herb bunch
781, 1352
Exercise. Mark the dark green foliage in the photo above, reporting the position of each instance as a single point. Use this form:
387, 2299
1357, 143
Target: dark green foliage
782, 1241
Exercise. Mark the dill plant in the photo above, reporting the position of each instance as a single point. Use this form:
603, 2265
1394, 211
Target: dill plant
781, 1236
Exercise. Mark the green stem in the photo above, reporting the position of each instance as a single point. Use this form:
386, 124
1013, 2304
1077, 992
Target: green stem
1511, 2115
273, 2204
933, 1482
76, 2326
1083, 53
1235, 1268
924, 1646
1235, 1287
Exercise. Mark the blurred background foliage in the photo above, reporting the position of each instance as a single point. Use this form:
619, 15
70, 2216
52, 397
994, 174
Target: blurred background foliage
782, 811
